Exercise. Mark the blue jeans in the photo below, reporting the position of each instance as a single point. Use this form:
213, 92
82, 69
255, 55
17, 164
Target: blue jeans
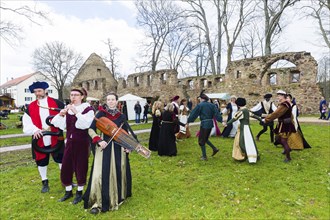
137, 118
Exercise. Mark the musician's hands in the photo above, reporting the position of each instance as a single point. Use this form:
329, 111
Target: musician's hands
72, 108
63, 112
224, 124
37, 134
103, 144
127, 150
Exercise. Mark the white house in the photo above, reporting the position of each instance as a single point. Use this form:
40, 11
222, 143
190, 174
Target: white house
18, 88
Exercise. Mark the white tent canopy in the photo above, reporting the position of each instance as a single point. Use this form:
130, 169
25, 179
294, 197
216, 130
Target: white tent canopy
221, 96
130, 102
92, 99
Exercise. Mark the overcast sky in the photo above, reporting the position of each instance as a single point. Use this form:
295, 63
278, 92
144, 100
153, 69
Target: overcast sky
85, 25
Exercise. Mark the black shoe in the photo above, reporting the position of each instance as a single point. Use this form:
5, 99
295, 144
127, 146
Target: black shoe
286, 160
67, 195
78, 198
257, 138
94, 211
215, 151
45, 187
203, 158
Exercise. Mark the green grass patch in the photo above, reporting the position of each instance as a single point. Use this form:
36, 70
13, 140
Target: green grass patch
184, 187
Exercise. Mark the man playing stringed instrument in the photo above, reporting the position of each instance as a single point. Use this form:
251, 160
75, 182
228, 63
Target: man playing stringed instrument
34, 122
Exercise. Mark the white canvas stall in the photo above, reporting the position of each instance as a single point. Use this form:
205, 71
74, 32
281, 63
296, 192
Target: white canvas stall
131, 101
221, 96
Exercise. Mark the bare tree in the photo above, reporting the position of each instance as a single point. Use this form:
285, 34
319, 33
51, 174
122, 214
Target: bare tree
250, 42
245, 9
323, 75
273, 11
320, 11
112, 58
10, 31
199, 12
159, 18
57, 63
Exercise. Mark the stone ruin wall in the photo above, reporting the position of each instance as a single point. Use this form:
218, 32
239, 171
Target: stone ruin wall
248, 78
95, 77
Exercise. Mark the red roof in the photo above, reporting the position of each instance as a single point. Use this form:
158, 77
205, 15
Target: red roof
16, 81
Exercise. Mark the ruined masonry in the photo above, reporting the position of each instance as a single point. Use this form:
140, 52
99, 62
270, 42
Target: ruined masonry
248, 78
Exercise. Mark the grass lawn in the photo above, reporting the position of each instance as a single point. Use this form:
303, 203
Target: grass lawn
184, 187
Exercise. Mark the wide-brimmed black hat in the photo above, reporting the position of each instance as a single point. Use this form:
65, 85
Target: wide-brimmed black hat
38, 85
240, 101
268, 96
203, 96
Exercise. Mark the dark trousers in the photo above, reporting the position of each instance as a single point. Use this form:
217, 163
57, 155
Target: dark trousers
271, 127
75, 160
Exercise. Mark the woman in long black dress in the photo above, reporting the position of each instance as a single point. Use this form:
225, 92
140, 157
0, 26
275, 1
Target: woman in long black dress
156, 118
110, 182
166, 144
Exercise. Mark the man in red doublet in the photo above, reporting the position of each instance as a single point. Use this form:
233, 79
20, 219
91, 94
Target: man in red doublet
34, 122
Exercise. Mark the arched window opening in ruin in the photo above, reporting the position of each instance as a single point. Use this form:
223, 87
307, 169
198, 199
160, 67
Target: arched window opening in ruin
80, 85
282, 64
180, 82
164, 78
136, 81
98, 72
272, 79
191, 84
238, 74
252, 76
218, 80
295, 76
203, 83
124, 84
209, 84
148, 80
96, 86
87, 86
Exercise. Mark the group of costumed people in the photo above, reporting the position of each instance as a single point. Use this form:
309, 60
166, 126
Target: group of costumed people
287, 132
110, 180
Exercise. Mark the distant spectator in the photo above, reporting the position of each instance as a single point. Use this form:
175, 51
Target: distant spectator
328, 111
323, 111
125, 110
321, 106
145, 113
138, 110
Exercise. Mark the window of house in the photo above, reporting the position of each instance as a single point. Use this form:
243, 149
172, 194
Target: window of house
27, 90
27, 99
272, 79
50, 91
98, 71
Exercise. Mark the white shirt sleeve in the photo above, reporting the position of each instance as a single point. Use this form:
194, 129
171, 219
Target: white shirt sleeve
28, 126
84, 121
59, 122
274, 107
256, 108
